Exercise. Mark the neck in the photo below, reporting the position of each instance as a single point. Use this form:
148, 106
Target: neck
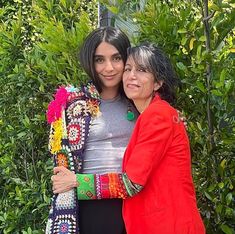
141, 104
109, 93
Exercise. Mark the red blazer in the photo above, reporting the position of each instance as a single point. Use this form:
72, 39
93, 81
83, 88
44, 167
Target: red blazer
158, 157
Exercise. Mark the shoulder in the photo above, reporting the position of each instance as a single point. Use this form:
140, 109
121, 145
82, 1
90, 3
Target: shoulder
67, 95
54, 110
84, 91
159, 110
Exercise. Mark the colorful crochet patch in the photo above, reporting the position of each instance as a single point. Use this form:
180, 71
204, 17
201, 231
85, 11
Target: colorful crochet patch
76, 133
62, 159
65, 224
91, 90
77, 109
65, 200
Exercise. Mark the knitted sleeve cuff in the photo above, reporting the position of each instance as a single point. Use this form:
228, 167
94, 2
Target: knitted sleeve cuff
86, 186
105, 186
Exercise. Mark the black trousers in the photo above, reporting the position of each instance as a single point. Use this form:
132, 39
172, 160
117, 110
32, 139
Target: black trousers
101, 217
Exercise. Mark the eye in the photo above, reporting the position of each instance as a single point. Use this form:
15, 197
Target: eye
99, 60
142, 69
127, 69
117, 58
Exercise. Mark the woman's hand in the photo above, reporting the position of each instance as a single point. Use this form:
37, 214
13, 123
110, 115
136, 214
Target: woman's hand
63, 180
182, 118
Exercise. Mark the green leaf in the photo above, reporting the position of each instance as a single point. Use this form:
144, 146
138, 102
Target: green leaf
113, 9
184, 40
63, 3
228, 85
201, 86
219, 208
216, 93
191, 43
29, 230
221, 185
18, 192
230, 186
208, 196
223, 163
199, 126
202, 38
182, 30
226, 229
223, 75
21, 134
181, 66
199, 52
229, 198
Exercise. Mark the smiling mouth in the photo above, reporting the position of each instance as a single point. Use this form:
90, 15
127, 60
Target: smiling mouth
131, 86
110, 77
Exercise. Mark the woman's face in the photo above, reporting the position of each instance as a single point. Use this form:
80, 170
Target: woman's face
108, 65
139, 84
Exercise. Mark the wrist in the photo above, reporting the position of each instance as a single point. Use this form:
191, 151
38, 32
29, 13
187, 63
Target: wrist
74, 182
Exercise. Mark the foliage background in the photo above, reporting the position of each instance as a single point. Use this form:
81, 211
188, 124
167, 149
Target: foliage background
39, 41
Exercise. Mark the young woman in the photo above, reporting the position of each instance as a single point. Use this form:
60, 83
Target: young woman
90, 129
156, 182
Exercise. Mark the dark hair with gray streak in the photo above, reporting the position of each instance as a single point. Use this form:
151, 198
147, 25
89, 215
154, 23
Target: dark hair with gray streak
154, 60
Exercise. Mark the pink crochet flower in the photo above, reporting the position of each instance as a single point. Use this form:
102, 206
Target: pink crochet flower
55, 107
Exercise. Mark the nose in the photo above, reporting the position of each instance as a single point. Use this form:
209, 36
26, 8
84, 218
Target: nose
132, 74
109, 66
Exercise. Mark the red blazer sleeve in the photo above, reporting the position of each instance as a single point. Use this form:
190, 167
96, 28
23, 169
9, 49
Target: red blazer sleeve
153, 133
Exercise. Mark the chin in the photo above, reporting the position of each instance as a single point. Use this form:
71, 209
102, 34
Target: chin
130, 96
111, 84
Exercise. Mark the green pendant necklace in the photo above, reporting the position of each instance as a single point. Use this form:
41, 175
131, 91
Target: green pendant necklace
130, 114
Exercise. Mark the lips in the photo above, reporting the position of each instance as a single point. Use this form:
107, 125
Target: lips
109, 77
132, 86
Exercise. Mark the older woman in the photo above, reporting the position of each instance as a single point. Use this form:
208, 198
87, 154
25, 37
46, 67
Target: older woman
156, 182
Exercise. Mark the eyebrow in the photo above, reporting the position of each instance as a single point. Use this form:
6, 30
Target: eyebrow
142, 66
137, 65
113, 55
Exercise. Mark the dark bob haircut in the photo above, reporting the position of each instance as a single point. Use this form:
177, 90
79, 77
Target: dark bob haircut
111, 35
154, 60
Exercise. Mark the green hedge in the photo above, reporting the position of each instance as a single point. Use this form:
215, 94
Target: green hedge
39, 41
201, 47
